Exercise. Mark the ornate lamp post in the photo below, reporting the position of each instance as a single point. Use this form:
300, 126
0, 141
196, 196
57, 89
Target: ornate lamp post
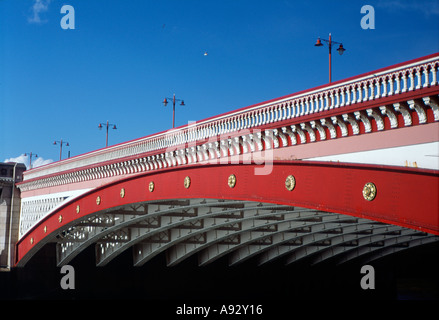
330, 42
30, 158
165, 102
107, 125
60, 148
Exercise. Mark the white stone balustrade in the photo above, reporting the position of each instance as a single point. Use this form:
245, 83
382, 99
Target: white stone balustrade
149, 152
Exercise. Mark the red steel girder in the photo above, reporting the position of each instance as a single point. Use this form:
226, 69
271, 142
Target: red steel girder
406, 197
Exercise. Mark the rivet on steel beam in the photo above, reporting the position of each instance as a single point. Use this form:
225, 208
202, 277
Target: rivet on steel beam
369, 191
290, 183
232, 181
187, 182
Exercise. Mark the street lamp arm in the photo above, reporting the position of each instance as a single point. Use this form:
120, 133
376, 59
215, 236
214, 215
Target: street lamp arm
329, 41
172, 99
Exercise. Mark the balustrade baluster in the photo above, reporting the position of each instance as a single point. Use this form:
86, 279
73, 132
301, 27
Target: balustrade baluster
409, 81
404, 82
296, 108
362, 87
315, 104
434, 68
371, 93
426, 78
348, 95
391, 85
331, 99
398, 84
354, 94
326, 103
337, 98
419, 77
378, 91
384, 93
342, 96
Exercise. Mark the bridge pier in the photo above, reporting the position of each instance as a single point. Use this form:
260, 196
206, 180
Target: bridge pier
10, 173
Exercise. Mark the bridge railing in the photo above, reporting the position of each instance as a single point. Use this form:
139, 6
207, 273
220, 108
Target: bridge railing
391, 81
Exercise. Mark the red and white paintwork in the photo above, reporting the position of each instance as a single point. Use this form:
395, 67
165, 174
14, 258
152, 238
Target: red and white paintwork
331, 139
406, 197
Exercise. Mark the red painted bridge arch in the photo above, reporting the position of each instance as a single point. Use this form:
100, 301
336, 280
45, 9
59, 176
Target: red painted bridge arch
397, 196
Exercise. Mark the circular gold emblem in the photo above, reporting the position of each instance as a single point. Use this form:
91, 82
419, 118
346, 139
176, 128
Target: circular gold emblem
77, 209
290, 183
187, 182
45, 229
151, 186
60, 218
232, 180
369, 191
31, 240
98, 200
122, 192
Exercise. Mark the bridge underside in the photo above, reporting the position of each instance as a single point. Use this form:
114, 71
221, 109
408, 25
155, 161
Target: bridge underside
213, 228
317, 211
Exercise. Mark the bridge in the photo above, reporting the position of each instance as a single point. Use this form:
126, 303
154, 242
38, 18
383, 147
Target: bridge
342, 171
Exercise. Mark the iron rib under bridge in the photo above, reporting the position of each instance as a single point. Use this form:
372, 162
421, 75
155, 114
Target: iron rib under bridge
213, 228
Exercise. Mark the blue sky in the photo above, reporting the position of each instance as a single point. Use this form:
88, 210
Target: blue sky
124, 57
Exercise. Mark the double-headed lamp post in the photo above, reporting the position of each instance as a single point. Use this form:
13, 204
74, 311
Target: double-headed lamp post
107, 125
165, 102
330, 42
60, 146
30, 158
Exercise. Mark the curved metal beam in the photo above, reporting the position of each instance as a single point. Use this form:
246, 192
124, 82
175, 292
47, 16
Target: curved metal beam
136, 210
